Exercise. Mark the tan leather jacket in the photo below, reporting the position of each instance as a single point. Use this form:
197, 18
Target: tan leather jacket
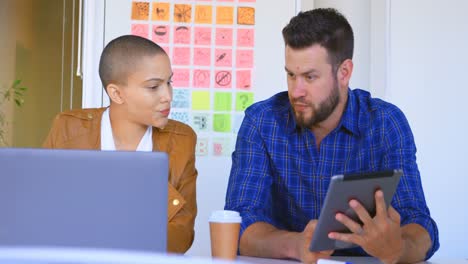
81, 129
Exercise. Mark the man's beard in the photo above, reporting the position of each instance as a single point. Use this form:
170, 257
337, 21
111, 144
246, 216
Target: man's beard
320, 113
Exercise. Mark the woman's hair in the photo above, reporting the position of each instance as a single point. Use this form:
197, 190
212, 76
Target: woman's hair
121, 56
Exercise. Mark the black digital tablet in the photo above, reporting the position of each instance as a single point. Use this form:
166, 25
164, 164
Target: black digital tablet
342, 189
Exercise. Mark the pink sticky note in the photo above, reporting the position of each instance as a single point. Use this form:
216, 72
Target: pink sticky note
244, 79
181, 56
201, 78
166, 49
140, 30
160, 34
223, 57
202, 36
202, 56
181, 78
182, 35
224, 36
245, 37
223, 79
244, 59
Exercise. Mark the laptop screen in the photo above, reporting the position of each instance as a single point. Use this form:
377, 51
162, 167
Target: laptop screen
84, 199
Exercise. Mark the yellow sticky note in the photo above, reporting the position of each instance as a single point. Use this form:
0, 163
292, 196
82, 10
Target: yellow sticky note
203, 14
160, 11
222, 122
182, 13
222, 101
200, 100
243, 100
246, 16
224, 15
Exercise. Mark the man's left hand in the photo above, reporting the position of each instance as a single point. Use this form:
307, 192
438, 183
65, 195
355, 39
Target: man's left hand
380, 236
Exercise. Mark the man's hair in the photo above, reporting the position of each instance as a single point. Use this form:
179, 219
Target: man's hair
324, 26
121, 56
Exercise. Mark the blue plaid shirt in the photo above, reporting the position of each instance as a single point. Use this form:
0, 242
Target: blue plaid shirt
279, 177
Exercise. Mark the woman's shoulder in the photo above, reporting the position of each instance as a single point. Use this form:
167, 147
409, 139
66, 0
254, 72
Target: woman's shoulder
80, 114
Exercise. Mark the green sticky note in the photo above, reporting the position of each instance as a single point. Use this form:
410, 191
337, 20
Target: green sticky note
223, 101
244, 100
222, 122
200, 100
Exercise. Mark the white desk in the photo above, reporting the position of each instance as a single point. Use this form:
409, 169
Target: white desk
354, 260
86, 256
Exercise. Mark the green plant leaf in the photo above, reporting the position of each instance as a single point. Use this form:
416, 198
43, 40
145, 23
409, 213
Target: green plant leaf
17, 102
16, 83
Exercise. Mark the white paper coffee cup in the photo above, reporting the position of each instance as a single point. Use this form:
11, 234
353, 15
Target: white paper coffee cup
224, 233
225, 216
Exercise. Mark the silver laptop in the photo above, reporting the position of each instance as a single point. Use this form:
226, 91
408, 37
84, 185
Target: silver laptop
83, 199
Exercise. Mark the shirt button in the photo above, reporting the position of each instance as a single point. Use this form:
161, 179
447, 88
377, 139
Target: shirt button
175, 202
90, 116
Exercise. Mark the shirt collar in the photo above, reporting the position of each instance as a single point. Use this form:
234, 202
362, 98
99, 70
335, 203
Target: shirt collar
107, 139
350, 118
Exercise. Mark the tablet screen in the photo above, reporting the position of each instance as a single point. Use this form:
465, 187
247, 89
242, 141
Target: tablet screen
342, 189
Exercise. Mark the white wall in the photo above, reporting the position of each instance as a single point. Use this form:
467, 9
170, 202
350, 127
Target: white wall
428, 48
357, 12
270, 78
369, 22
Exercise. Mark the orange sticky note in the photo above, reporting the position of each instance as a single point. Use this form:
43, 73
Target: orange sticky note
203, 14
182, 13
224, 15
160, 11
140, 10
246, 16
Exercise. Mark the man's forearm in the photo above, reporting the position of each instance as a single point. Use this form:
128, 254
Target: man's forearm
417, 243
264, 240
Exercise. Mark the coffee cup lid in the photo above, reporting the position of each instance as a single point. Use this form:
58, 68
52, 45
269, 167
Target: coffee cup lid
225, 216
